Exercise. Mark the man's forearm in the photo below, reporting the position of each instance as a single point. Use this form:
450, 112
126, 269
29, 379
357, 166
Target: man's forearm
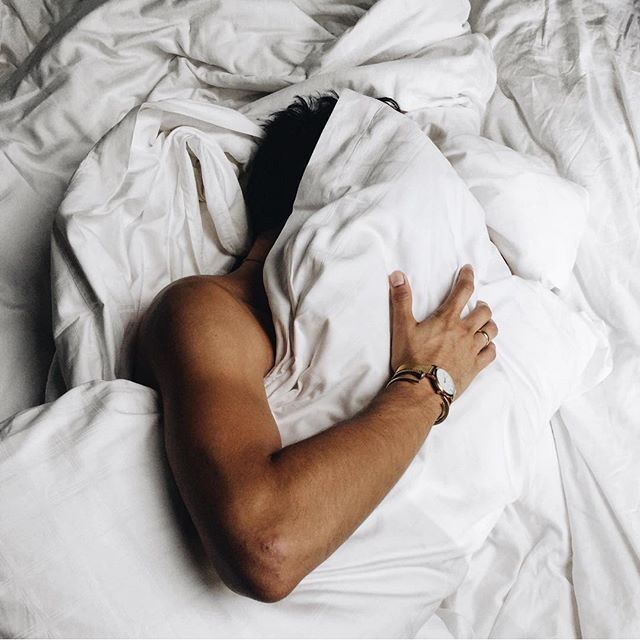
325, 486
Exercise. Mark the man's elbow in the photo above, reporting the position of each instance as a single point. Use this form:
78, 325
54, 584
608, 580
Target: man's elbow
268, 589
269, 570
262, 569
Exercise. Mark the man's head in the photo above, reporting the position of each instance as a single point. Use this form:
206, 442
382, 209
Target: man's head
290, 136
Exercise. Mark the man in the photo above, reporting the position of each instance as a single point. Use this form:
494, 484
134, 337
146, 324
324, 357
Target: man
268, 515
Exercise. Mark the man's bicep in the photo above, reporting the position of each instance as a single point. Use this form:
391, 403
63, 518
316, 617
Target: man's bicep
212, 392
219, 437
223, 416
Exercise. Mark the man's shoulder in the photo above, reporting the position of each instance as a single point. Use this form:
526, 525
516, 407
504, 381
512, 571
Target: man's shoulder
193, 297
198, 324
197, 309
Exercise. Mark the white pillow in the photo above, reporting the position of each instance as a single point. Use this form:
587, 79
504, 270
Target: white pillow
535, 217
386, 198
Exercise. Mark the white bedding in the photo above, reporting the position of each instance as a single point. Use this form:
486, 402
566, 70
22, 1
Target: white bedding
578, 539
351, 224
87, 80
569, 80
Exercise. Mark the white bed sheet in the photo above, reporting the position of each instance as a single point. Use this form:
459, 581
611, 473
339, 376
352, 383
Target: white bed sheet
568, 74
568, 90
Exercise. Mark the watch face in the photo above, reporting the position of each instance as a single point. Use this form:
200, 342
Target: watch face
445, 381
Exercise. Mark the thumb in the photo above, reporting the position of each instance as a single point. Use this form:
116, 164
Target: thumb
401, 300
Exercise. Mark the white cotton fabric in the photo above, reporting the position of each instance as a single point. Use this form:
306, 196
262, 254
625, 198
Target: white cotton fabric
569, 91
102, 59
568, 84
158, 200
562, 560
354, 220
382, 199
535, 217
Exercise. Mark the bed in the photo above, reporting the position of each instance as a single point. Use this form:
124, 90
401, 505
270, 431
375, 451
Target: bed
560, 561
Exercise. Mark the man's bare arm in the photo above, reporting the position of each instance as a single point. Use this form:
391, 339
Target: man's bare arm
268, 515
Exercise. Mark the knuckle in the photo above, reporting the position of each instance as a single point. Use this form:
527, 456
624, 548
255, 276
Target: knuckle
401, 294
452, 324
441, 313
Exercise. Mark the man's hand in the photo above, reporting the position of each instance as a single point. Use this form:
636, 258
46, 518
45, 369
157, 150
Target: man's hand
443, 338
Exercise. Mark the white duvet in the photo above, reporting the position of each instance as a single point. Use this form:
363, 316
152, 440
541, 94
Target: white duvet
67, 468
353, 222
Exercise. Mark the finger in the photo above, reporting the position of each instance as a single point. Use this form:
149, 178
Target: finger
401, 301
491, 328
460, 292
479, 316
486, 356
481, 341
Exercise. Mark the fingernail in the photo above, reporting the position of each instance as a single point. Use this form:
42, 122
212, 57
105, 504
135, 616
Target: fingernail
482, 302
466, 266
396, 278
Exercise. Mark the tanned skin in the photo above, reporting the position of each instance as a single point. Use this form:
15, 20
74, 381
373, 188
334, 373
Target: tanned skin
269, 515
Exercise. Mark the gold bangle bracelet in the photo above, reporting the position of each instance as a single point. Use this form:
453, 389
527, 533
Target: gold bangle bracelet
444, 411
414, 376
401, 376
413, 373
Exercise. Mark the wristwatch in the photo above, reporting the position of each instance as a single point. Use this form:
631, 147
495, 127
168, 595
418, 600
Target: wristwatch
440, 380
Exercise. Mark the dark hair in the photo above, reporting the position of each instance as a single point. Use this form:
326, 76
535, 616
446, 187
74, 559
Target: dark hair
290, 136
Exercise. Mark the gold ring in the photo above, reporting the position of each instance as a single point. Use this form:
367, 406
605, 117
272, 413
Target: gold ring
486, 335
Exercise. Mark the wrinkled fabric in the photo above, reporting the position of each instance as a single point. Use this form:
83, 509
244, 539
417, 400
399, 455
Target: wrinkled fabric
567, 73
568, 83
160, 198
93, 67
353, 221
